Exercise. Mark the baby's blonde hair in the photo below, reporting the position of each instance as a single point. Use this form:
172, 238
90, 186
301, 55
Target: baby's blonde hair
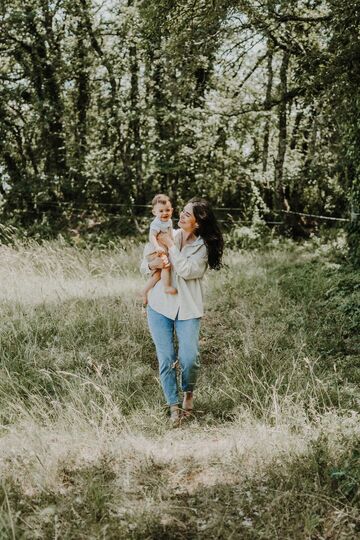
160, 198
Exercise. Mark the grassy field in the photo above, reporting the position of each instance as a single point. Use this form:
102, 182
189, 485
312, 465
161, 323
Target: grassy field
86, 451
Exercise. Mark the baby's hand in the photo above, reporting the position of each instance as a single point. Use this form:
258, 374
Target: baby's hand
165, 260
160, 250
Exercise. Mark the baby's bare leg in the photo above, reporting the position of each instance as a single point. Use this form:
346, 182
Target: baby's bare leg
166, 279
149, 285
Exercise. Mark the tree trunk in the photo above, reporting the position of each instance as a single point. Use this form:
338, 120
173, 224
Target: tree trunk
280, 202
82, 104
295, 131
160, 105
133, 151
267, 106
46, 84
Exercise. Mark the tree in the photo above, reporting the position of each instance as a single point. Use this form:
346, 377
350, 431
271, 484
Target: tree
248, 103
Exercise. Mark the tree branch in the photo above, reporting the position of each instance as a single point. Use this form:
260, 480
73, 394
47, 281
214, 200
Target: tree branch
262, 107
298, 18
252, 70
97, 48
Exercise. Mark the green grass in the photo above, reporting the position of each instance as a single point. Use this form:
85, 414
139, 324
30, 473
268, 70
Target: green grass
86, 450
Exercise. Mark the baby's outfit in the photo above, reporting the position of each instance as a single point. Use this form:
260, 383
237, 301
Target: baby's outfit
156, 226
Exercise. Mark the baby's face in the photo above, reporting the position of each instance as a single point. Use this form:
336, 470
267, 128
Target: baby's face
163, 211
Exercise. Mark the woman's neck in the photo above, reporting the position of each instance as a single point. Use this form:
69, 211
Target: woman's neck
187, 236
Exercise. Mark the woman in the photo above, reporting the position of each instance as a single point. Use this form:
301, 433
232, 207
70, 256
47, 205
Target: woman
198, 243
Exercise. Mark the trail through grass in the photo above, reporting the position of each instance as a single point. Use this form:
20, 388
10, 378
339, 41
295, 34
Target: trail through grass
85, 448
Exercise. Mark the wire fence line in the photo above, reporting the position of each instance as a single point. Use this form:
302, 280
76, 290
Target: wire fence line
224, 209
330, 218
130, 206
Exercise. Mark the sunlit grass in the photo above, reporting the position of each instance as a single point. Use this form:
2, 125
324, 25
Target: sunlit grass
52, 272
86, 450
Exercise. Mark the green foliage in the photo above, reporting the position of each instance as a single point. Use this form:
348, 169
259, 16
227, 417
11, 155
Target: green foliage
102, 106
346, 475
348, 298
248, 237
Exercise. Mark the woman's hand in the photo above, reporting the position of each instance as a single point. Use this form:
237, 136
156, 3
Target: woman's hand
158, 263
165, 239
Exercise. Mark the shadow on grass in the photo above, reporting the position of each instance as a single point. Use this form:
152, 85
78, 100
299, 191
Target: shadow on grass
313, 496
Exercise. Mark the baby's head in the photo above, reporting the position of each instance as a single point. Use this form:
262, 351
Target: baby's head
161, 207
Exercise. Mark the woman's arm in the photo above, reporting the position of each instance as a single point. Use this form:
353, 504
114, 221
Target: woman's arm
189, 267
186, 267
146, 267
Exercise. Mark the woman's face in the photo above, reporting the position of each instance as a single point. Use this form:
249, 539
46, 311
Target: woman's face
187, 220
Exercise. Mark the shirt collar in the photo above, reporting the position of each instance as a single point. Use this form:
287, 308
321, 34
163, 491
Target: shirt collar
197, 242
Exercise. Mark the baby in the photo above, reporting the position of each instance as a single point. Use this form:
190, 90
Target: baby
162, 210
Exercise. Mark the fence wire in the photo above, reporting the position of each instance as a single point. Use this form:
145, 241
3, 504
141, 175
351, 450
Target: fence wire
93, 206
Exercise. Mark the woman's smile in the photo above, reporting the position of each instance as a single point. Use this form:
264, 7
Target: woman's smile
187, 219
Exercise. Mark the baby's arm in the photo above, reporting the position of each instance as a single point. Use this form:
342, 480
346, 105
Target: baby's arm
153, 240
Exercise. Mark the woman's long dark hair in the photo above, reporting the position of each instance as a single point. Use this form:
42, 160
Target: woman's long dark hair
209, 230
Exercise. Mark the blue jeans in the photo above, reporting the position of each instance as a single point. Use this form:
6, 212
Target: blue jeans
187, 332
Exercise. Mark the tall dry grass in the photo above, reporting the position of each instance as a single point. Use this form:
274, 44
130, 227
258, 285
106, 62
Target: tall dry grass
85, 448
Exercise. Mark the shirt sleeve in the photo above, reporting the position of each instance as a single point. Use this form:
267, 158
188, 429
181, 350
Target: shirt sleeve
144, 265
189, 267
155, 229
